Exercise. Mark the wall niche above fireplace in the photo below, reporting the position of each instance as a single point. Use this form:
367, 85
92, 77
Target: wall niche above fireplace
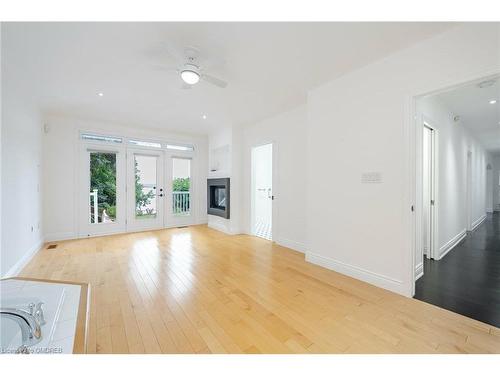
218, 197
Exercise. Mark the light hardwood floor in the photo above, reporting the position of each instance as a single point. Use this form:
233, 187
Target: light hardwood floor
196, 290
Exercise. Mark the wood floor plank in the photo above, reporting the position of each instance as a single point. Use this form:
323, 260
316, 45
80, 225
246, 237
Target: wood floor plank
197, 290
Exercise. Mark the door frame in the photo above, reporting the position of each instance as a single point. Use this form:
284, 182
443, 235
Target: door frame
275, 189
412, 143
134, 225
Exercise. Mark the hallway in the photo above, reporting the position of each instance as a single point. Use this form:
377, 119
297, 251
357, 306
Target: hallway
467, 280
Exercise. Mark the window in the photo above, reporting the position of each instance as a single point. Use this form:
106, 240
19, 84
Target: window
101, 138
180, 147
144, 143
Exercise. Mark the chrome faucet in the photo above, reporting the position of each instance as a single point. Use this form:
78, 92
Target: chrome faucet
30, 322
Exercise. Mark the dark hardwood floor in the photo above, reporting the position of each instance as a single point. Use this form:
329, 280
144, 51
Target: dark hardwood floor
467, 279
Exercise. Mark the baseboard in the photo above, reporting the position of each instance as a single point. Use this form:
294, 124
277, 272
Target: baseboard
21, 263
219, 227
419, 271
478, 222
294, 245
447, 247
52, 237
359, 273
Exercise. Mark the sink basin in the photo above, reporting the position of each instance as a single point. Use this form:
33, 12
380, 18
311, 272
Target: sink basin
60, 308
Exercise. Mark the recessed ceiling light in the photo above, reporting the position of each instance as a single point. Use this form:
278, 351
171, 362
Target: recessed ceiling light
100, 94
493, 101
204, 117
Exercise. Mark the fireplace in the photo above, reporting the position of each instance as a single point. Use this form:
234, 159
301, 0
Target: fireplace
218, 197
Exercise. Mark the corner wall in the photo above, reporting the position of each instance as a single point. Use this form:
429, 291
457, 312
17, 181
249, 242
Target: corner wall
21, 158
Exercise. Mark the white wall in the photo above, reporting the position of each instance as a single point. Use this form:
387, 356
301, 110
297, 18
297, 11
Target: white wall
454, 142
20, 173
288, 132
360, 123
60, 174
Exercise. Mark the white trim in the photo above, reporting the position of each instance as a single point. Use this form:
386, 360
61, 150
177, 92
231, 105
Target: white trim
478, 222
419, 271
64, 236
447, 247
21, 263
291, 244
359, 273
61, 236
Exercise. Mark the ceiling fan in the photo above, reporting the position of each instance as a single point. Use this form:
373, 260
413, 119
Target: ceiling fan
192, 69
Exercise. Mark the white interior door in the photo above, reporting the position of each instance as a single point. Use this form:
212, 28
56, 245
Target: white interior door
426, 191
468, 189
429, 192
180, 190
145, 189
262, 191
102, 197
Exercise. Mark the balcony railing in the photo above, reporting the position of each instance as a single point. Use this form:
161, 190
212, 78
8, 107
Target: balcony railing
93, 207
181, 202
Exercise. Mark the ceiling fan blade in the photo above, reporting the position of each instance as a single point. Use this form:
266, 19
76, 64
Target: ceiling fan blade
185, 86
214, 81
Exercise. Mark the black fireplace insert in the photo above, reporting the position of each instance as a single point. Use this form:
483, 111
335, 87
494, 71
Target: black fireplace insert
218, 197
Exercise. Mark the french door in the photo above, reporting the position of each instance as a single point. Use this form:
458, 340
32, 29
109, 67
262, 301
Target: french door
145, 190
128, 189
103, 198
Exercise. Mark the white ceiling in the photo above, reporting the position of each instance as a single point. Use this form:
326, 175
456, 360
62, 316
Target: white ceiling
472, 104
269, 67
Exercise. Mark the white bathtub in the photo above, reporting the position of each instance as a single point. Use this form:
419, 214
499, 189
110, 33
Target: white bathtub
61, 302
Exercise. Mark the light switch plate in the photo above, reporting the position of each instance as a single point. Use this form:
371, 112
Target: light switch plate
371, 178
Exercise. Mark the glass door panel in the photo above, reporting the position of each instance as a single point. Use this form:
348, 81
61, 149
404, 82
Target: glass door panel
181, 186
102, 191
181, 203
145, 190
102, 196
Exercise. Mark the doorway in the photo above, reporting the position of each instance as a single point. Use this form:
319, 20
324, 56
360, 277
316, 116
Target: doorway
262, 191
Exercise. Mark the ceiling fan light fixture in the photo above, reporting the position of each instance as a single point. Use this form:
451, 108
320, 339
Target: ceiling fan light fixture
190, 76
